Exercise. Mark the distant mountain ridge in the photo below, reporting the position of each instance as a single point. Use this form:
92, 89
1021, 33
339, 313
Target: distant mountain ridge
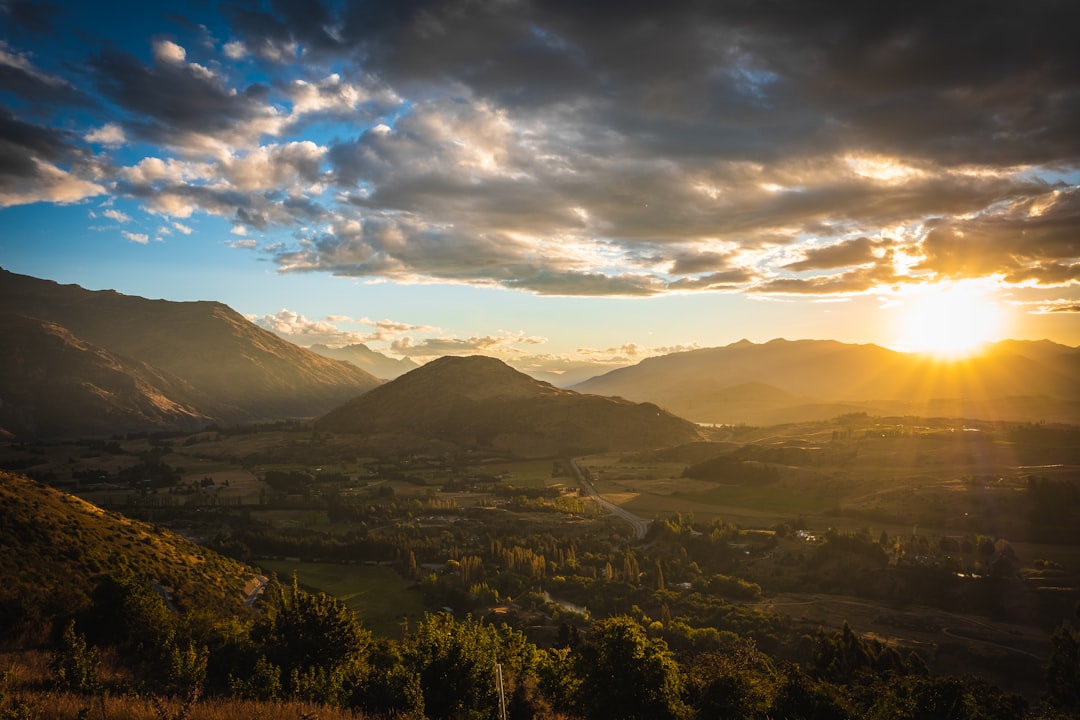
193, 361
482, 402
795, 381
367, 359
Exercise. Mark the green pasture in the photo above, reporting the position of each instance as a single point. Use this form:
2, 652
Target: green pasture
376, 593
523, 474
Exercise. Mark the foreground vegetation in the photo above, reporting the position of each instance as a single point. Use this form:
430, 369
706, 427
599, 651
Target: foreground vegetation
910, 587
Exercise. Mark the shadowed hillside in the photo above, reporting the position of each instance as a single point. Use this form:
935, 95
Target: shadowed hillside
222, 366
53, 384
481, 401
794, 381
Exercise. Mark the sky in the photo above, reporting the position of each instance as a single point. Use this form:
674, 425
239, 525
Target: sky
559, 184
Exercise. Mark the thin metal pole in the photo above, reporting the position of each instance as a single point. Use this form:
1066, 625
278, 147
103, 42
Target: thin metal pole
502, 696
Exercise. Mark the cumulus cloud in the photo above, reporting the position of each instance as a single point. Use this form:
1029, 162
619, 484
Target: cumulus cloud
234, 50
166, 51
110, 135
31, 165
626, 354
497, 345
300, 330
140, 238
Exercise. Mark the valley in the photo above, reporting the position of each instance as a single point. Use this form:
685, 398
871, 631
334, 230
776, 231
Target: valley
930, 536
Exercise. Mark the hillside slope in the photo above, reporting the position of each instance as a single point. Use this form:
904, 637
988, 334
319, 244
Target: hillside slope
56, 546
231, 370
482, 402
53, 384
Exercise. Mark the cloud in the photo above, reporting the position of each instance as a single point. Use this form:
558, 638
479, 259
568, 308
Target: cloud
117, 215
140, 238
166, 51
386, 330
298, 329
30, 165
478, 345
29, 16
19, 75
628, 353
275, 167
234, 50
589, 149
1030, 240
110, 135
184, 106
855, 251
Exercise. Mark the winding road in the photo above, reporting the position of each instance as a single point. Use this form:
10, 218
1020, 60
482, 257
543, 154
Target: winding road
639, 524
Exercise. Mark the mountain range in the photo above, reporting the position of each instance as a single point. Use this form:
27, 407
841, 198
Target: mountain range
797, 381
81, 363
77, 362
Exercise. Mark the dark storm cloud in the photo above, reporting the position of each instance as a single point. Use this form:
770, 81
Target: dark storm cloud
19, 78
28, 16
285, 21
176, 98
960, 82
21, 142
29, 158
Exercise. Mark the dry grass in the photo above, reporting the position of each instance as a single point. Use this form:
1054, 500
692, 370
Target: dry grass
25, 688
65, 706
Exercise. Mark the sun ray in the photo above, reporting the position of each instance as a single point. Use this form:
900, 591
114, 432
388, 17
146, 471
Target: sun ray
949, 320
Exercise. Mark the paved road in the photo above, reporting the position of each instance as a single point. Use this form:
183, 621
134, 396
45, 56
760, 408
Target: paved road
639, 524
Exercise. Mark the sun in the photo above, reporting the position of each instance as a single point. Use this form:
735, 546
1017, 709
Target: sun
949, 320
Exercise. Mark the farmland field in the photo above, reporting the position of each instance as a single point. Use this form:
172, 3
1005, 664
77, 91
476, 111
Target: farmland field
380, 597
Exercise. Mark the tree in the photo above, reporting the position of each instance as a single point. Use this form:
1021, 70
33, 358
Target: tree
738, 682
74, 663
314, 638
625, 675
1063, 669
801, 697
456, 665
128, 613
